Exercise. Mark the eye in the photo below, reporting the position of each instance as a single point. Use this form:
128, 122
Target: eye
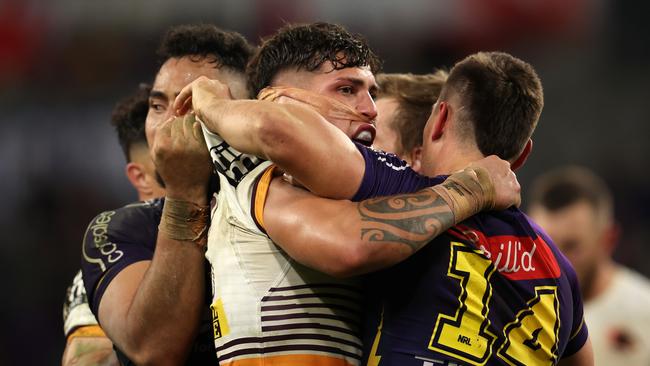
346, 90
156, 106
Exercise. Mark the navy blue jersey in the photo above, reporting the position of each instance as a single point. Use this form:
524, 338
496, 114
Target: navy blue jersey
116, 239
493, 290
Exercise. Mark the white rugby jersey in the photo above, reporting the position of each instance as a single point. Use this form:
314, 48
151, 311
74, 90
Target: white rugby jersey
76, 312
619, 320
268, 309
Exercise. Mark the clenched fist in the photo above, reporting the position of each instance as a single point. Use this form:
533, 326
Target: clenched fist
182, 159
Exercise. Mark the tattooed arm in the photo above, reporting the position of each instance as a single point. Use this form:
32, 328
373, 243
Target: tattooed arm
344, 238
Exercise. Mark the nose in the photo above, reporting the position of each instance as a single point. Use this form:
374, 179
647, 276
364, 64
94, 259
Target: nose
366, 106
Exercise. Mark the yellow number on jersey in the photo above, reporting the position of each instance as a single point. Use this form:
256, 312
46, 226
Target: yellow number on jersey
465, 335
532, 338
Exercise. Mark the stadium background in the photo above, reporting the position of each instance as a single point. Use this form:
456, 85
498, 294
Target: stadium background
64, 63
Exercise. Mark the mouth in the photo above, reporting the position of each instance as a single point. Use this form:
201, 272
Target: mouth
365, 134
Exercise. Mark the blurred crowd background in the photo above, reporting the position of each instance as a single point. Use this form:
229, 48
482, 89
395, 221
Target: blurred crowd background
64, 64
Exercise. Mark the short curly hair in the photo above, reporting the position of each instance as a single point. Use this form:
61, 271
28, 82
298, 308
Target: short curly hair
307, 47
128, 119
223, 48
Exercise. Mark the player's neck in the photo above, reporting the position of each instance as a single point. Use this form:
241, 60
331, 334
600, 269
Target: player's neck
457, 158
602, 280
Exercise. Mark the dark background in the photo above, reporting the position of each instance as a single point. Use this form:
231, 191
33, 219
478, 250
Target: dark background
64, 63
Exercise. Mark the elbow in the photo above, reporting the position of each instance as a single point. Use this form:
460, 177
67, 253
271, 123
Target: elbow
275, 136
156, 355
356, 260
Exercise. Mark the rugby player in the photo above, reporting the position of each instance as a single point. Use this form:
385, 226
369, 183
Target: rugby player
404, 104
576, 208
266, 307
144, 288
86, 342
493, 290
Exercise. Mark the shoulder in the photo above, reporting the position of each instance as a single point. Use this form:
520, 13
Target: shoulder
386, 174
134, 219
382, 158
634, 282
115, 239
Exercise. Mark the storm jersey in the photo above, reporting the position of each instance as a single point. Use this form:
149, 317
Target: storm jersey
268, 309
493, 290
118, 238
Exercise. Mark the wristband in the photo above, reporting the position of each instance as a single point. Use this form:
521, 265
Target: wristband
467, 192
185, 221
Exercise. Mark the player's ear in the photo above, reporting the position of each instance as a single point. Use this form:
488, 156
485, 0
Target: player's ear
136, 174
521, 159
440, 120
416, 158
611, 237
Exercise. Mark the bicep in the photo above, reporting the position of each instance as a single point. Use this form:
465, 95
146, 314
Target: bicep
315, 231
118, 297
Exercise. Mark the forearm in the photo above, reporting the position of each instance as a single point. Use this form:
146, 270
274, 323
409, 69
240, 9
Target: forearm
253, 127
163, 319
344, 238
89, 351
296, 138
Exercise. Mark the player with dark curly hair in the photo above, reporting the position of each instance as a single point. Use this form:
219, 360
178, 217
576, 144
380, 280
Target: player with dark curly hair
145, 288
256, 321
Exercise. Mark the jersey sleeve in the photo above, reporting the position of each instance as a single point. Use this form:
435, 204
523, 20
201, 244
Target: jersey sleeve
579, 332
226, 160
114, 240
386, 174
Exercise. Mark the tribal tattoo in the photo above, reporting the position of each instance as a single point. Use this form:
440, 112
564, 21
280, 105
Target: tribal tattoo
411, 219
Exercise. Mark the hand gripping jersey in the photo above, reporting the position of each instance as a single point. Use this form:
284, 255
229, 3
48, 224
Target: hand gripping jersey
492, 291
268, 309
118, 238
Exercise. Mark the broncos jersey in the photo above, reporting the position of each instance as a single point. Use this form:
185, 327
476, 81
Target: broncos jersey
118, 238
493, 290
76, 312
268, 309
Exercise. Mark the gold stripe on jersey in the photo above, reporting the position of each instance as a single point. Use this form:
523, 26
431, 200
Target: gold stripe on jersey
86, 332
260, 194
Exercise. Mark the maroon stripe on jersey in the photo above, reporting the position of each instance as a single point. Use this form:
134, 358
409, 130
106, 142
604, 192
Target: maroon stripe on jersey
307, 296
317, 285
288, 337
294, 347
270, 328
311, 306
309, 315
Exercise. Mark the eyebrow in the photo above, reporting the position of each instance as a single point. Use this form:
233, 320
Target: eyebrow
360, 83
161, 95
157, 94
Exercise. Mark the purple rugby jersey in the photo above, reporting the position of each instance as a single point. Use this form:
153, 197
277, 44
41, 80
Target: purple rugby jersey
118, 238
493, 290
